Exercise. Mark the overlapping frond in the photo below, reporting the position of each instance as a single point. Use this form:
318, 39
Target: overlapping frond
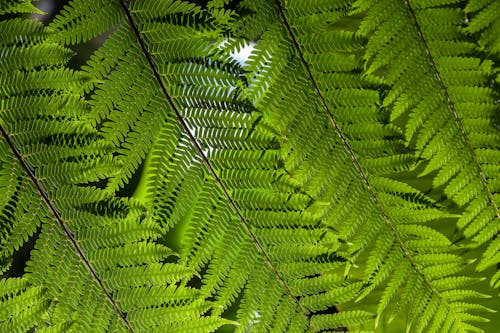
94, 266
442, 92
306, 75
483, 20
268, 198
214, 177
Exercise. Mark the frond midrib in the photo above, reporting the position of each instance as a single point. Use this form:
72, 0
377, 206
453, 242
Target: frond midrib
67, 231
352, 155
453, 109
207, 163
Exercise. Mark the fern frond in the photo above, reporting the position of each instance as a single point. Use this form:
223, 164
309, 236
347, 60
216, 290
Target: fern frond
483, 20
94, 266
335, 145
443, 90
81, 21
26, 302
18, 6
225, 194
168, 188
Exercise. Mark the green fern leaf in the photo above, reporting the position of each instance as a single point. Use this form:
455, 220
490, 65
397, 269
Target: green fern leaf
167, 187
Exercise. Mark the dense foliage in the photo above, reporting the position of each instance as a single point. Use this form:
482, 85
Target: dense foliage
344, 177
